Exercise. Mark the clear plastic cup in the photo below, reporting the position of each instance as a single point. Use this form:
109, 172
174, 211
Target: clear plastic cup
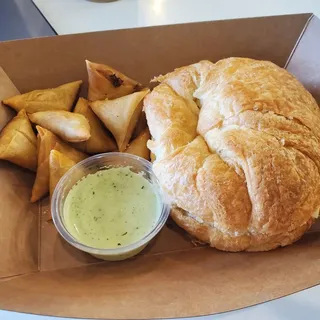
93, 165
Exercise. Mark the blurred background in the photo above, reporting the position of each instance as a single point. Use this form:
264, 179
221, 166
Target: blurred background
26, 18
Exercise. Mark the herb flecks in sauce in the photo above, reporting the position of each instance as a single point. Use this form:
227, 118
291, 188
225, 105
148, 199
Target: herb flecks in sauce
114, 214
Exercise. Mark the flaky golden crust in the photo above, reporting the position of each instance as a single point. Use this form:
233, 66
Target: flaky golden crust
237, 149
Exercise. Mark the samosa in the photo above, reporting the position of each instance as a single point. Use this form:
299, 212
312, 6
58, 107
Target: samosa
141, 125
120, 115
18, 142
60, 98
138, 146
100, 141
59, 164
142, 122
47, 141
106, 82
69, 126
152, 157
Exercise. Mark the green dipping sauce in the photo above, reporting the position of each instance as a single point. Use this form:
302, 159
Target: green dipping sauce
111, 208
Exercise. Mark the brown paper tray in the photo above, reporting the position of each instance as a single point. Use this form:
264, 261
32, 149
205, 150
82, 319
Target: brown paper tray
40, 273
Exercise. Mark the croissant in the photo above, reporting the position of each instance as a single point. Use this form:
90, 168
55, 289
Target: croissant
237, 149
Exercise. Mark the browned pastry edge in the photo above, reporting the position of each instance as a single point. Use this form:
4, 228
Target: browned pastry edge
221, 241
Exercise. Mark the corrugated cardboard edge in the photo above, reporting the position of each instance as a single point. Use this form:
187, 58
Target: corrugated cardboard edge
181, 283
312, 16
304, 61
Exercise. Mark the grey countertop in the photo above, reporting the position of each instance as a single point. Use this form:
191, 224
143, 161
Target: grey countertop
20, 19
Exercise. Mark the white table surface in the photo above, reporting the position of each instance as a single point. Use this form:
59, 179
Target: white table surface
76, 16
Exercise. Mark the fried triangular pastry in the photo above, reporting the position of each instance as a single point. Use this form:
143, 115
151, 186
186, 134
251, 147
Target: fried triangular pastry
152, 157
141, 125
120, 116
59, 98
100, 141
138, 146
59, 164
69, 126
106, 82
18, 142
47, 141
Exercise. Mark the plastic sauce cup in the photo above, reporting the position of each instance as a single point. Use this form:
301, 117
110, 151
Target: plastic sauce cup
90, 166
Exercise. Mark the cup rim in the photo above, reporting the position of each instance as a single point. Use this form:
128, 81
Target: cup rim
57, 196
